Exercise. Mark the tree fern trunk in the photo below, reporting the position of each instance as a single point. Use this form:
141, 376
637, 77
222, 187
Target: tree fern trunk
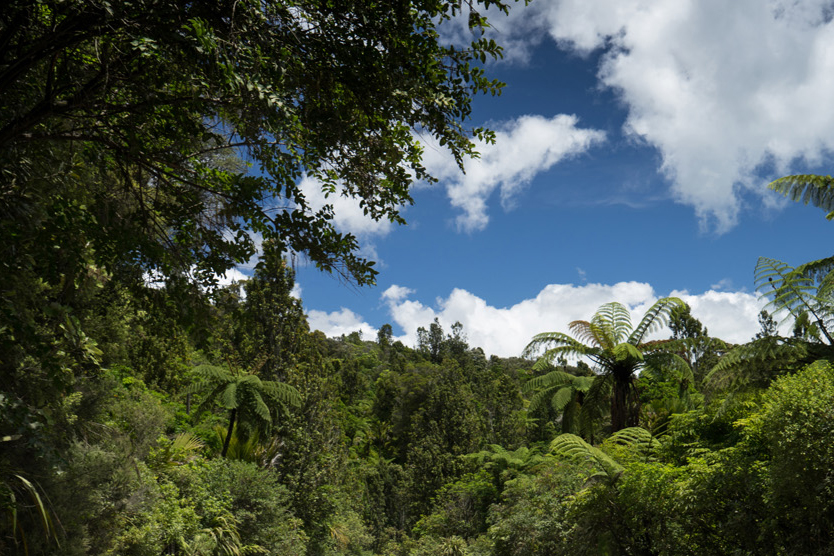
232, 416
619, 402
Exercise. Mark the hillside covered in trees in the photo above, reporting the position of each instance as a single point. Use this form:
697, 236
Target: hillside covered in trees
147, 410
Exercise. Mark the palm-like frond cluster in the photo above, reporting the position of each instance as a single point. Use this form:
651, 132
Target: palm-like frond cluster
241, 391
619, 351
802, 292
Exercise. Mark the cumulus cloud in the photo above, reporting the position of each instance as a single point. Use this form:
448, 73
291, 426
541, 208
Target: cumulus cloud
504, 331
337, 323
523, 148
721, 89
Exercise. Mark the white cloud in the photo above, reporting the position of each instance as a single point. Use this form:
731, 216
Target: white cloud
340, 322
515, 31
396, 293
231, 276
505, 331
523, 148
348, 216
721, 89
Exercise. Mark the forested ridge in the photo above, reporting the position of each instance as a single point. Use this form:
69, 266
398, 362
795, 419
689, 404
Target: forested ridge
148, 146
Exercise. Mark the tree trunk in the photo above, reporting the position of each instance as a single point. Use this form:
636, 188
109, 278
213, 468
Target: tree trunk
624, 407
232, 416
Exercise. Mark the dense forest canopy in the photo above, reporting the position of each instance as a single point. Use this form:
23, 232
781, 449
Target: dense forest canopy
145, 139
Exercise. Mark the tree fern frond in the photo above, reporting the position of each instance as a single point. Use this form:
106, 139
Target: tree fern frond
208, 402
808, 188
229, 399
787, 289
213, 373
819, 271
582, 331
755, 361
655, 318
618, 319
603, 334
636, 437
626, 351
539, 399
282, 392
261, 409
665, 361
561, 398
583, 383
553, 378
545, 339
573, 350
573, 447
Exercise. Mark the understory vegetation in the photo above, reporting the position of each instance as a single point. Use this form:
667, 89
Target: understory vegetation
371, 447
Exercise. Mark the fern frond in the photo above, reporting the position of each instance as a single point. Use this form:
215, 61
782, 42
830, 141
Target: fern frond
660, 361
208, 402
545, 339
213, 373
635, 437
787, 289
229, 398
582, 331
261, 409
553, 378
562, 398
617, 318
655, 318
539, 399
820, 271
808, 188
755, 361
626, 351
573, 447
282, 392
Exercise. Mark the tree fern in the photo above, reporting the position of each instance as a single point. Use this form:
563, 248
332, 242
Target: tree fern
756, 363
794, 291
564, 391
239, 391
614, 348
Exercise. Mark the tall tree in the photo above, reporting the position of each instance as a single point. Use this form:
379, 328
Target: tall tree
145, 94
618, 350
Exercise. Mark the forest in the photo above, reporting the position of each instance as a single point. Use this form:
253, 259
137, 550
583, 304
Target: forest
148, 146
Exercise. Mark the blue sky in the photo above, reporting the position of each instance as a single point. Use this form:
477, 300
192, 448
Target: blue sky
635, 141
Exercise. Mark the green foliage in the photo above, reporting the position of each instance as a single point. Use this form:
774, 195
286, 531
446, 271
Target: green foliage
567, 394
532, 518
794, 291
189, 86
796, 427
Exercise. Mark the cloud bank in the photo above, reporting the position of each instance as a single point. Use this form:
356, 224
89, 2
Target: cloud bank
732, 94
504, 331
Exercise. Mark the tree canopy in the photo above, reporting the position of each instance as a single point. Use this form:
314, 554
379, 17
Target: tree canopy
135, 111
